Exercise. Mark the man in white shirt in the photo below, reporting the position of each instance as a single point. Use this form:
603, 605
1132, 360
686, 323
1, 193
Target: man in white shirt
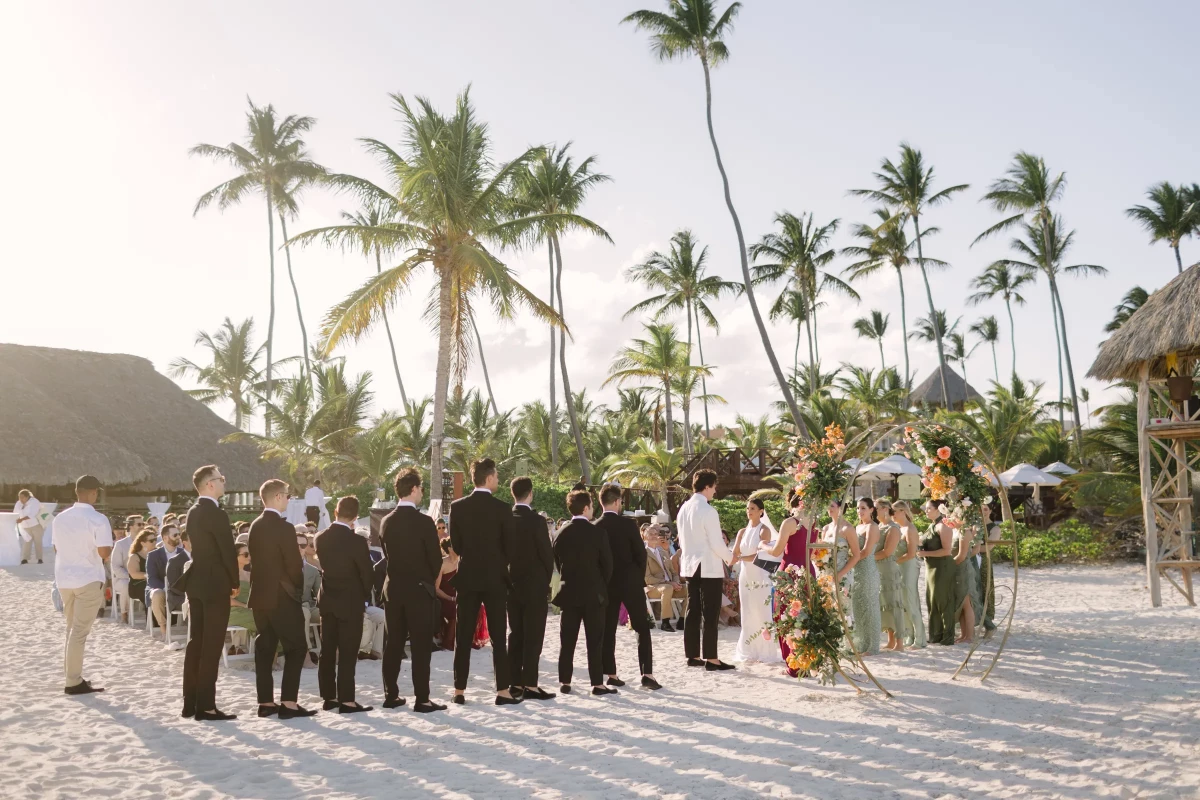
82, 540
29, 527
314, 501
704, 555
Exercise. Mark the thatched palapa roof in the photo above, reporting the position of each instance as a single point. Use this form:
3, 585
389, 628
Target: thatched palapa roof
929, 391
64, 413
1168, 322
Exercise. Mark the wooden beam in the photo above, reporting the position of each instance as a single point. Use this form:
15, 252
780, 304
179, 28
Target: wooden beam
1144, 457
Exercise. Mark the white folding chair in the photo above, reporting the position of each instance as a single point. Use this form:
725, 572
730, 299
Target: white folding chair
133, 620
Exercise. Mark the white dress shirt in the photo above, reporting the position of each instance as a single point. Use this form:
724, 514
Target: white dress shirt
78, 531
315, 496
29, 509
119, 558
700, 540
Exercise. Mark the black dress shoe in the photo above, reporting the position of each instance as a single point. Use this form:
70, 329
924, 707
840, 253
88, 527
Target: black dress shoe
394, 702
268, 711
293, 713
507, 701
353, 708
599, 690
615, 682
189, 710
24, 561
330, 705
427, 707
39, 561
696, 662
516, 691
718, 667
83, 687
666, 626
460, 700
565, 688
538, 693
213, 716
650, 683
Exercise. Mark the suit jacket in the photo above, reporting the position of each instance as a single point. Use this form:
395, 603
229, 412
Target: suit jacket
482, 530
380, 570
175, 567
410, 548
276, 569
585, 561
156, 568
311, 588
532, 558
346, 562
656, 574
700, 539
212, 573
628, 552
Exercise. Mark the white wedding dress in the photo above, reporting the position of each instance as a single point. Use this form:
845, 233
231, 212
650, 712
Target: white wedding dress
754, 591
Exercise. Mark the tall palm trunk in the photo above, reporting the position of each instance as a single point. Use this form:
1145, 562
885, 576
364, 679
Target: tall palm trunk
568, 399
796, 353
387, 326
271, 317
904, 330
937, 331
669, 423
1012, 334
287, 252
808, 333
487, 381
1178, 260
995, 363
703, 379
816, 327
1058, 350
553, 381
1062, 319
441, 387
688, 447
737, 226
882, 363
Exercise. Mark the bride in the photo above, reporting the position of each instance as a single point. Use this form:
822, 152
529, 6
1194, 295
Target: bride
752, 548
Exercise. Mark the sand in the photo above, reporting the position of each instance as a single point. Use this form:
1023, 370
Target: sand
1096, 696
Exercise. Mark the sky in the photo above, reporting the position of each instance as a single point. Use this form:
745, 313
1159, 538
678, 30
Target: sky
103, 251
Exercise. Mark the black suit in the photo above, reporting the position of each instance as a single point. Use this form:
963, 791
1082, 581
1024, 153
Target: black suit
276, 582
413, 561
345, 589
209, 581
585, 564
482, 529
628, 586
532, 564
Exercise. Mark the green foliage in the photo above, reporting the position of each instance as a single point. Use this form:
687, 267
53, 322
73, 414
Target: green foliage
1068, 541
547, 496
732, 511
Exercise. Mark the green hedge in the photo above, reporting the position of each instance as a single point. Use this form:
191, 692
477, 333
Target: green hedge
1068, 541
547, 496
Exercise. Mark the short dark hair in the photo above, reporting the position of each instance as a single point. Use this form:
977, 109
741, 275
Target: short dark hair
521, 487
87, 483
270, 488
609, 494
445, 544
406, 481
758, 503
703, 479
481, 470
183, 537
200, 476
316, 481
347, 507
578, 501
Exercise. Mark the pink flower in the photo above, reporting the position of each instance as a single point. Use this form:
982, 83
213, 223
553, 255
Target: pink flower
943, 453
795, 609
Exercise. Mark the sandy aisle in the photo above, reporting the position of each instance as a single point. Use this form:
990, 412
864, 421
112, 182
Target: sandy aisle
1095, 697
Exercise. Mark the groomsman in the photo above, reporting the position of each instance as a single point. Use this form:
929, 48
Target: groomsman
627, 585
345, 590
276, 579
532, 565
704, 555
585, 563
481, 532
210, 582
413, 561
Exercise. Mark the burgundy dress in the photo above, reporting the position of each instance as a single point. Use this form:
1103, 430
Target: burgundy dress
796, 552
449, 617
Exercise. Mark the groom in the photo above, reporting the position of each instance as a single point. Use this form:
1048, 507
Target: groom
703, 557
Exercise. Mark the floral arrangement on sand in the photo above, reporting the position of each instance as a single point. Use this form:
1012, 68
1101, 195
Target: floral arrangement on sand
821, 473
809, 622
949, 473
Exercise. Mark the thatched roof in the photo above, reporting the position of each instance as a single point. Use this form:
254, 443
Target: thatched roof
929, 392
64, 413
1168, 322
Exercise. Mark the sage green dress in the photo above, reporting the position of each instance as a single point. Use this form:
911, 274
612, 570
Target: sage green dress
864, 599
975, 585
941, 578
891, 586
914, 621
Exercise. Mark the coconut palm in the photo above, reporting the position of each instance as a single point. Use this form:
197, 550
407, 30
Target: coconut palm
555, 186
477, 432
988, 331
906, 188
274, 163
693, 27
1002, 424
413, 433
660, 358
959, 351
1171, 215
874, 327
749, 434
678, 277
452, 208
648, 465
1134, 299
928, 329
487, 380
686, 387
372, 457
233, 373
791, 306
880, 395
998, 279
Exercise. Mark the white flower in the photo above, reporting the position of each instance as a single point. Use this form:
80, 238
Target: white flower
929, 462
987, 500
966, 501
943, 510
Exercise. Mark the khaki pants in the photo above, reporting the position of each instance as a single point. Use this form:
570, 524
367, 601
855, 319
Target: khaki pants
667, 594
158, 605
35, 544
80, 607
373, 628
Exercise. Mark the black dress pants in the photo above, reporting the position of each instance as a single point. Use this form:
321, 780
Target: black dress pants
592, 618
282, 626
704, 603
634, 599
527, 620
207, 621
495, 601
409, 615
340, 637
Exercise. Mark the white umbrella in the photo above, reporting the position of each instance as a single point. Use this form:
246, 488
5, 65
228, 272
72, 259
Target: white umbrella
858, 468
1059, 468
1028, 475
895, 464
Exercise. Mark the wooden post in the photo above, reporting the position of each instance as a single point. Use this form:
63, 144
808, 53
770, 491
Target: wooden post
1144, 460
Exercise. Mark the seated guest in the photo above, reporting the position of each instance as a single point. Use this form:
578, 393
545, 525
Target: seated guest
441, 528
312, 588
136, 563
156, 572
175, 564
662, 581
240, 614
374, 617
373, 546
120, 556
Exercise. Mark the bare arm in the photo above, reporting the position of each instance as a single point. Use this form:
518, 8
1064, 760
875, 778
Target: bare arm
131, 565
914, 544
947, 539
847, 533
788, 527
889, 544
964, 547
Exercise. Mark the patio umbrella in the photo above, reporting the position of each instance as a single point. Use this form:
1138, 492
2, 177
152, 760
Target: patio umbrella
895, 464
1028, 475
1059, 468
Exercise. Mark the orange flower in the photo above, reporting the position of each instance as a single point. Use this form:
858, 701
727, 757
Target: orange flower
943, 453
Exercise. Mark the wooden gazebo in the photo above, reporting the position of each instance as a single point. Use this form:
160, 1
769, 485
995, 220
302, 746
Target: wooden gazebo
1159, 348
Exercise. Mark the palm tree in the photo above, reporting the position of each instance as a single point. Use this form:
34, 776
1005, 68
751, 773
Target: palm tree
959, 351
797, 255
450, 204
998, 279
874, 327
1134, 299
554, 186
373, 455
273, 162
880, 395
693, 27
988, 331
678, 276
649, 465
684, 386
1003, 423
887, 245
660, 358
929, 329
487, 380
791, 306
752, 434
414, 435
233, 374
286, 202
906, 188
1171, 215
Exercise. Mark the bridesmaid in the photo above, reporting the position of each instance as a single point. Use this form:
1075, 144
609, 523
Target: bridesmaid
864, 596
796, 533
988, 578
941, 575
964, 546
891, 585
910, 543
841, 535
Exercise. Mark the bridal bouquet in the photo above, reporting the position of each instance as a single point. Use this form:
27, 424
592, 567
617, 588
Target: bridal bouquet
949, 473
821, 473
807, 620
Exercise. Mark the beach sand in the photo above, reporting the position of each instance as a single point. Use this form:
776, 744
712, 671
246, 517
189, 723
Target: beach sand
1095, 696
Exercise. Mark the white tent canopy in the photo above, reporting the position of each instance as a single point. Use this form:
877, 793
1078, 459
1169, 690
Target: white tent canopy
1028, 475
895, 464
1059, 468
